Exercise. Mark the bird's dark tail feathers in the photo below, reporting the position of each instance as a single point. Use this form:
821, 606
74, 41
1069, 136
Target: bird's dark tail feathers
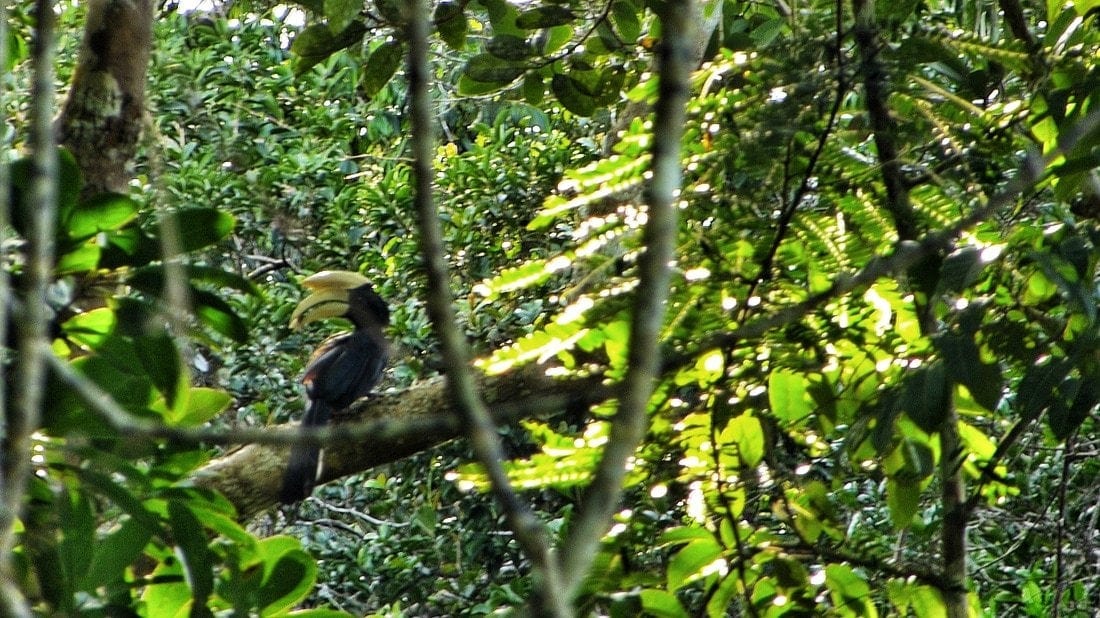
303, 465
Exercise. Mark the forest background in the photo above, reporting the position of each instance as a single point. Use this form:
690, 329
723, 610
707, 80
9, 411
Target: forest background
774, 308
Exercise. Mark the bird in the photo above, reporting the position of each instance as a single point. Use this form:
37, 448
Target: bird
345, 368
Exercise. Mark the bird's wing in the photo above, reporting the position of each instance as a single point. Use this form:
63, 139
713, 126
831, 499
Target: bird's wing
345, 369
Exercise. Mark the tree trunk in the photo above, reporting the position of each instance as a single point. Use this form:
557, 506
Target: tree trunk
102, 119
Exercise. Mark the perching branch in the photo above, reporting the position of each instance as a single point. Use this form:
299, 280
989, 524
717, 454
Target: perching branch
530, 533
628, 427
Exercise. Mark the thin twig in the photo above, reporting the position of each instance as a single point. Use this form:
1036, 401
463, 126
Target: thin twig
602, 496
530, 533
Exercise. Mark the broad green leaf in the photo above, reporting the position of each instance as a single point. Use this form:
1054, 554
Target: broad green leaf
112, 555
746, 435
1065, 419
692, 562
317, 42
534, 88
201, 404
488, 68
90, 328
201, 227
161, 361
661, 604
546, 16
788, 396
380, 66
1038, 386
450, 20
571, 94
683, 534
103, 212
340, 13
624, 14
710, 367
849, 591
468, 87
508, 47
190, 537
925, 396
289, 574
169, 596
218, 315
903, 499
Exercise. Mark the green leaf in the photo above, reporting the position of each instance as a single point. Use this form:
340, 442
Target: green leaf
689, 563
1037, 387
925, 396
90, 328
112, 555
788, 396
218, 315
380, 67
471, 87
317, 42
450, 21
289, 574
624, 15
161, 361
746, 435
489, 69
190, 536
340, 13
534, 89
661, 604
1065, 419
202, 404
964, 365
546, 16
508, 47
849, 591
571, 94
17, 50
78, 523
100, 213
903, 499
201, 227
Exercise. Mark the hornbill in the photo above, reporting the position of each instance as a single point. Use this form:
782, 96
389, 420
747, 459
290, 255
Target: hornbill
345, 368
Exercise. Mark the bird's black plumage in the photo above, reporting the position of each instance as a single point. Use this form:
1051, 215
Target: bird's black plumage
346, 368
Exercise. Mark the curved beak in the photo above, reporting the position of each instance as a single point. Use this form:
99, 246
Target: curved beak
330, 297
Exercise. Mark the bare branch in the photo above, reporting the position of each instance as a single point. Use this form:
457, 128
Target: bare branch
876, 93
601, 498
530, 533
23, 418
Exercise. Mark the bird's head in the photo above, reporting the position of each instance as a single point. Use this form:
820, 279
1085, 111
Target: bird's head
342, 294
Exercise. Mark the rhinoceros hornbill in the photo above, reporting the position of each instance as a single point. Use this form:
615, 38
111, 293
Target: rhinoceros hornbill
345, 368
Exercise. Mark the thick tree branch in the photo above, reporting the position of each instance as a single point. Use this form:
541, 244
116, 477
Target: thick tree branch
480, 426
628, 427
388, 427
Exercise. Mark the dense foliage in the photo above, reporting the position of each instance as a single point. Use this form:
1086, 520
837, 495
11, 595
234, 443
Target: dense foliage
812, 421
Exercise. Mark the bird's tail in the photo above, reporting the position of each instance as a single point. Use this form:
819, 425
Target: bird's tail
303, 465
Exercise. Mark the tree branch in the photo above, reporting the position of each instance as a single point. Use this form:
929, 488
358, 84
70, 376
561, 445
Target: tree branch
882, 125
628, 427
530, 533
22, 419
